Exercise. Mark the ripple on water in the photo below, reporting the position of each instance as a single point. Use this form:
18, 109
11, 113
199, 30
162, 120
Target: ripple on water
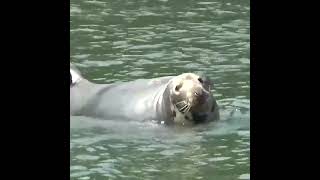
107, 167
78, 168
75, 10
100, 148
149, 169
240, 150
242, 159
96, 2
143, 47
137, 73
90, 149
80, 173
84, 178
145, 149
216, 159
87, 157
244, 176
117, 146
80, 56
222, 147
102, 63
244, 60
200, 163
171, 152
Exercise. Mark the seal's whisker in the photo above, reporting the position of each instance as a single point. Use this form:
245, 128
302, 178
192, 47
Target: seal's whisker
183, 108
180, 102
188, 109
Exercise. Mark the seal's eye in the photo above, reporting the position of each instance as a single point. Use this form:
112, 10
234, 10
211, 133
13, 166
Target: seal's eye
178, 87
200, 80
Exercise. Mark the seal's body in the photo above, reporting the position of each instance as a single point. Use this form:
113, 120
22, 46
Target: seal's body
183, 99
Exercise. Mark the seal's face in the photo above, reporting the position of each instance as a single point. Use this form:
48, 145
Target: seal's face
191, 98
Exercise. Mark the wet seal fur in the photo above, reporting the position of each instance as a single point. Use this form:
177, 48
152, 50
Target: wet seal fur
184, 99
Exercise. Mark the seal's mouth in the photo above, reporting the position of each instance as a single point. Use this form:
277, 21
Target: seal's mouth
199, 117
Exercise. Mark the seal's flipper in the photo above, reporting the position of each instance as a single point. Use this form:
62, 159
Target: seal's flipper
75, 75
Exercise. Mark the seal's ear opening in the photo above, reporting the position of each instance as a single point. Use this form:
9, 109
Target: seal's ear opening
178, 87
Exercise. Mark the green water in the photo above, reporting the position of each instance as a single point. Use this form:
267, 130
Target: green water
123, 40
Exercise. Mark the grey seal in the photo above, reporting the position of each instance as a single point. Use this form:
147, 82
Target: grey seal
184, 99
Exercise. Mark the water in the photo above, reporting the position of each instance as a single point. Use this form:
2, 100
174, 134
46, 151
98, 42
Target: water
125, 40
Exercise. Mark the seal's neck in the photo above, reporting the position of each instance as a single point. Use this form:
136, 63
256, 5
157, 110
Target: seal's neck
163, 104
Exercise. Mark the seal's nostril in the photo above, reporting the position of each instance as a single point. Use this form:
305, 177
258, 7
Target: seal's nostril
200, 80
204, 93
201, 96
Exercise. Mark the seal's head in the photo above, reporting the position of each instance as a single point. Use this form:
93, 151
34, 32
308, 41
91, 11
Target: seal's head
191, 99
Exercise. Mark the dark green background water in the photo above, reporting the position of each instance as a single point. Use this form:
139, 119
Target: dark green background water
122, 40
